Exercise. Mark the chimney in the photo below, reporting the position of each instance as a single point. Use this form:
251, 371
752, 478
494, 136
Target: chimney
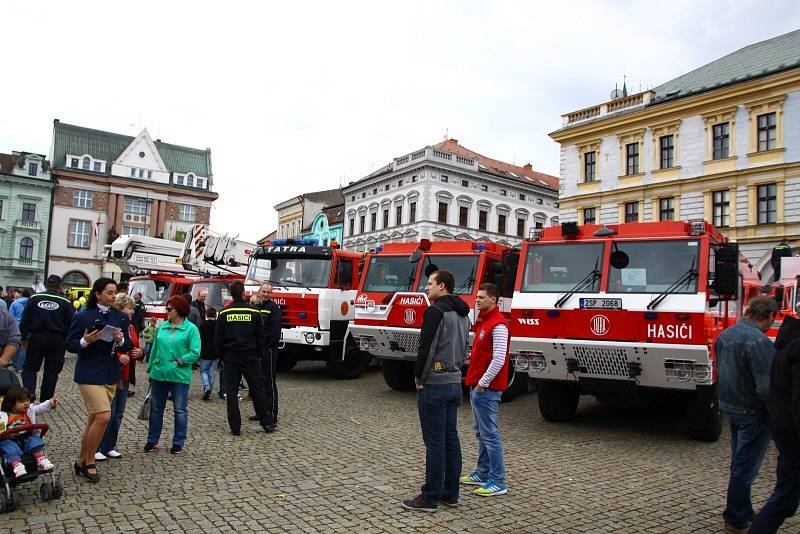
528, 167
56, 121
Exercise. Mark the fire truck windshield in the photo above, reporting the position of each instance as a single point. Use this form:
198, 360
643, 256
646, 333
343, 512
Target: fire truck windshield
302, 272
389, 274
558, 267
654, 266
153, 291
216, 293
464, 269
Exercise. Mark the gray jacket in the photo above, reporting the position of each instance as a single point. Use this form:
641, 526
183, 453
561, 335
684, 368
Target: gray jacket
443, 342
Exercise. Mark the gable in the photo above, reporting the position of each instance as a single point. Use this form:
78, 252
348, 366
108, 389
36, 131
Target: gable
141, 153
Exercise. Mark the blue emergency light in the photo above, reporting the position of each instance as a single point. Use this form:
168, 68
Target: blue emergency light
378, 248
480, 246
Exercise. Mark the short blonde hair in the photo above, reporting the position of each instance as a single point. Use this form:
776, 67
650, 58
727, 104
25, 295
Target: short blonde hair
122, 301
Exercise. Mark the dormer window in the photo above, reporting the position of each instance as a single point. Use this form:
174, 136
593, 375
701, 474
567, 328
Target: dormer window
190, 180
179, 179
86, 164
97, 166
141, 173
201, 183
133, 172
33, 168
73, 162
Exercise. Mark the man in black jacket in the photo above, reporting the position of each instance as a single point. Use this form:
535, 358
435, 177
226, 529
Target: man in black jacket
240, 342
784, 419
44, 327
271, 315
781, 250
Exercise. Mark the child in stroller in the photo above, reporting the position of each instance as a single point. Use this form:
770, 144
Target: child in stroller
22, 456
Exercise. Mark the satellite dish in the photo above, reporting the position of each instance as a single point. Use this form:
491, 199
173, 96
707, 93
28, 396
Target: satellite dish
615, 94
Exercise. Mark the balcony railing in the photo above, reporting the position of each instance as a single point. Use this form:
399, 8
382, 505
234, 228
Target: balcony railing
29, 225
612, 106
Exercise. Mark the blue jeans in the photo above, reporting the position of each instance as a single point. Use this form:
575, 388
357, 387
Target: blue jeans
208, 372
749, 441
20, 359
13, 449
158, 400
786, 496
118, 403
485, 410
438, 417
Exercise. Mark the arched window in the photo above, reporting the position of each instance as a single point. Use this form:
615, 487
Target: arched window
85, 164
75, 279
26, 248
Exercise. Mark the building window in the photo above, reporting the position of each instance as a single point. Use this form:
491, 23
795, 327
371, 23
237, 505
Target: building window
767, 203
632, 158
1, 208
373, 220
363, 194
137, 206
503, 192
141, 173
667, 143
150, 176
631, 212
666, 209
520, 227
464, 183
720, 208
82, 198
28, 212
399, 183
589, 216
443, 178
386, 218
375, 191
539, 201
484, 187
190, 180
133, 172
522, 196
414, 178
353, 198
352, 223
398, 215
539, 224
187, 212
386, 187
73, 162
79, 233
134, 230
76, 279
412, 212
720, 137
463, 216
26, 248
501, 223
482, 217
85, 163
97, 166
767, 132
33, 169
589, 166
363, 223
442, 212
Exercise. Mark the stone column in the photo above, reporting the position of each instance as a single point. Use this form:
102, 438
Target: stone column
112, 211
162, 217
120, 213
153, 215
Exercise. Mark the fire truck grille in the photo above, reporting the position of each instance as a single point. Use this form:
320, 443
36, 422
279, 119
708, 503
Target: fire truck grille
408, 342
602, 361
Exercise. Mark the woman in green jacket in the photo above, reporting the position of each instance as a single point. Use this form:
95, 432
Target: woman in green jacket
176, 347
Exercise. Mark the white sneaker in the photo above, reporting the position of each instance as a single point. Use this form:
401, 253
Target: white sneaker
99, 456
20, 471
45, 465
113, 454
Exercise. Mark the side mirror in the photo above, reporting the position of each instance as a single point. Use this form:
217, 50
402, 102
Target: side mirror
619, 260
415, 257
726, 271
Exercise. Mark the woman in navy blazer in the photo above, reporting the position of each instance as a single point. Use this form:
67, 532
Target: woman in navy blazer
97, 369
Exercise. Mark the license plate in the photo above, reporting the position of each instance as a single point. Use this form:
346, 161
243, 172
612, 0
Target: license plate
601, 304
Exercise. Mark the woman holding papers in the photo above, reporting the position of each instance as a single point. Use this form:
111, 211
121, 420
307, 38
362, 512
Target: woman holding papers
99, 336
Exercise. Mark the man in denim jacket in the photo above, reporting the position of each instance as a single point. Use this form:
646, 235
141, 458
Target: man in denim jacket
744, 360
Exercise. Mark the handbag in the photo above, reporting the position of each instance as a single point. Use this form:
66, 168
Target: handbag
144, 411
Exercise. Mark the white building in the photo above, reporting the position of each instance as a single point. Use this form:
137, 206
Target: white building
448, 192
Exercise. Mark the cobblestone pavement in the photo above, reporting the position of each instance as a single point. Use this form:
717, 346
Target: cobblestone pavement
347, 452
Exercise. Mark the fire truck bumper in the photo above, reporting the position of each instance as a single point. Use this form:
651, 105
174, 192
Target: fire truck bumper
306, 336
387, 343
654, 365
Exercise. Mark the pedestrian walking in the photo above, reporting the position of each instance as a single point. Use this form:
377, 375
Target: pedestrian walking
487, 378
45, 322
271, 317
744, 358
100, 352
784, 421
175, 348
16, 310
147, 335
240, 342
443, 345
138, 312
208, 353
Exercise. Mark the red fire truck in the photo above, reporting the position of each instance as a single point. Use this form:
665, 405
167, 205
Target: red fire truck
315, 289
391, 298
625, 312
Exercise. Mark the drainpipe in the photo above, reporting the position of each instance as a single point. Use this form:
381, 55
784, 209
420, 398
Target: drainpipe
50, 225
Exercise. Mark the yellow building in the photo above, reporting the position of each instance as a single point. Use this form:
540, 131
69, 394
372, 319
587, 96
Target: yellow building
721, 142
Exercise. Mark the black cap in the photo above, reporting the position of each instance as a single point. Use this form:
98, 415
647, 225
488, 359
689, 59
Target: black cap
54, 279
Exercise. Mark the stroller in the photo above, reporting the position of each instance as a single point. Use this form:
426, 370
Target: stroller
51, 487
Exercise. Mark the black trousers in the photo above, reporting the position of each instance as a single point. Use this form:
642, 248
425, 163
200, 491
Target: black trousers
269, 367
46, 347
247, 366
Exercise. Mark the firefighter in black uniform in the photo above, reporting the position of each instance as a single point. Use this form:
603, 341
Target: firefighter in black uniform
240, 342
44, 326
271, 315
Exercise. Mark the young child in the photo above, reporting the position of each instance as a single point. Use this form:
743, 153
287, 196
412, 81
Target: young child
208, 356
17, 410
147, 336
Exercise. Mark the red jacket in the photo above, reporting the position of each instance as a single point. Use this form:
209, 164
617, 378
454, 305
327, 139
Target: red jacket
481, 355
126, 368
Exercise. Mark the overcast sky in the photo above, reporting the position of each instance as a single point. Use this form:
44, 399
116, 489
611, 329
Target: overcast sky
294, 97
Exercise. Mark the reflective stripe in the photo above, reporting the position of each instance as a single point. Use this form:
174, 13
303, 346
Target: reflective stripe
251, 310
46, 295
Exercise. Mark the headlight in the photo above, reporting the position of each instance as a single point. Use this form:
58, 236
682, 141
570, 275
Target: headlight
537, 362
679, 369
702, 372
520, 362
309, 337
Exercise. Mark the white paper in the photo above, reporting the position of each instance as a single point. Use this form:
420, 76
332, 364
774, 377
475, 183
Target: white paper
108, 331
634, 277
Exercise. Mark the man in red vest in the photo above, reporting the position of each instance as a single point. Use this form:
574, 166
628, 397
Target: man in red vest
487, 377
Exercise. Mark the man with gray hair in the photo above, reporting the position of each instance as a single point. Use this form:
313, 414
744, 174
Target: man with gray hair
744, 361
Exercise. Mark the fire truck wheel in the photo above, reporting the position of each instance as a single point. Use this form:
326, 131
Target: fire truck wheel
354, 364
517, 384
287, 359
399, 375
705, 419
558, 401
